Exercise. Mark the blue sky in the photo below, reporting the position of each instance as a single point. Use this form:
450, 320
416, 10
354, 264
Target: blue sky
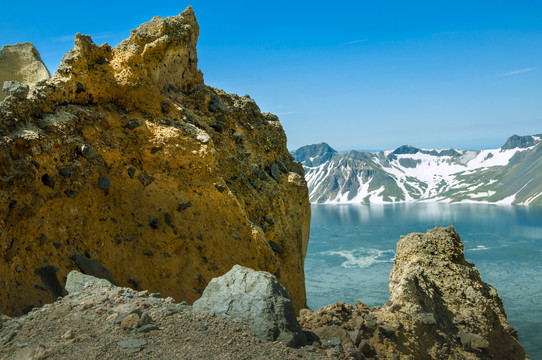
356, 74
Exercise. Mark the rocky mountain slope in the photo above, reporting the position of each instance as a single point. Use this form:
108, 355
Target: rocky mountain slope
126, 166
509, 175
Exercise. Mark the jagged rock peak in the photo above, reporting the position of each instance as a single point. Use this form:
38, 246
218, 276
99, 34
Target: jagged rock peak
159, 53
406, 149
521, 142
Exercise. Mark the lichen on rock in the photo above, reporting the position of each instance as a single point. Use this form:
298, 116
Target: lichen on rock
126, 158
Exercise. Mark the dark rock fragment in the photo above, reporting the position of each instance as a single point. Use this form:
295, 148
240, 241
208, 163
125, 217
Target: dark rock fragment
148, 253
218, 127
165, 107
217, 105
79, 88
93, 267
168, 220
88, 152
47, 180
275, 173
104, 184
12, 203
221, 187
145, 179
70, 193
64, 171
132, 124
131, 172
183, 206
275, 247
154, 223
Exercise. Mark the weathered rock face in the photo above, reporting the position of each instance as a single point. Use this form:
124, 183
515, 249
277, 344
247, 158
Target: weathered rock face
21, 63
255, 298
439, 308
126, 159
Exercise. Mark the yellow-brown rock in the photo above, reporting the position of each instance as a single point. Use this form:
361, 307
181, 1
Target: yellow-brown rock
21, 62
126, 164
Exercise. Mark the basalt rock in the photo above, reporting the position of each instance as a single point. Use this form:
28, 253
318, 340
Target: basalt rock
20, 63
439, 308
118, 157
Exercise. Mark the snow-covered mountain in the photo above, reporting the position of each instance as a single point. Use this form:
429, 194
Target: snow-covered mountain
509, 175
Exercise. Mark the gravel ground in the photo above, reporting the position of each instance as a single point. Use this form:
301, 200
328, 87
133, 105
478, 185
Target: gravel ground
87, 325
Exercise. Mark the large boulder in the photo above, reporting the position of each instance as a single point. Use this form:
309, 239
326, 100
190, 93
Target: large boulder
21, 63
77, 281
255, 298
127, 166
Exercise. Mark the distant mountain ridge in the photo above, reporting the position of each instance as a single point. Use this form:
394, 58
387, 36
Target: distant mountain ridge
511, 174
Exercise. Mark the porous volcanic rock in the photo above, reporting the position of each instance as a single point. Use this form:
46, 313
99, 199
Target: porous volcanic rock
21, 63
439, 308
126, 158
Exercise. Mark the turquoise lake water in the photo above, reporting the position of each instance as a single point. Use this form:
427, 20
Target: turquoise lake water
351, 251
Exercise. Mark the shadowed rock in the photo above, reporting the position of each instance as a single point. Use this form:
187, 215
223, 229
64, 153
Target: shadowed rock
47, 274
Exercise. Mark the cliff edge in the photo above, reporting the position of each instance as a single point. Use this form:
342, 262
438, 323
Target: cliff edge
126, 166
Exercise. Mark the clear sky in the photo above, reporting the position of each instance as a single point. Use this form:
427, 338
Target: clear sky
368, 75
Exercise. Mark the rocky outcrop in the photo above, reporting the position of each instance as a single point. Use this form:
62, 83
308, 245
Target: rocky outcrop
255, 298
102, 321
21, 63
125, 164
439, 308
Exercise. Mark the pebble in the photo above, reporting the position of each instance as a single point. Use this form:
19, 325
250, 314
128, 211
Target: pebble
68, 335
130, 322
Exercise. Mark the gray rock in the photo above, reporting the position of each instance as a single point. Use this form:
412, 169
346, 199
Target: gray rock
145, 328
77, 281
21, 62
275, 173
132, 345
145, 319
104, 183
255, 298
88, 152
15, 88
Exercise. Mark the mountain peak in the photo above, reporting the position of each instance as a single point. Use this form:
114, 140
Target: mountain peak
521, 142
406, 149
